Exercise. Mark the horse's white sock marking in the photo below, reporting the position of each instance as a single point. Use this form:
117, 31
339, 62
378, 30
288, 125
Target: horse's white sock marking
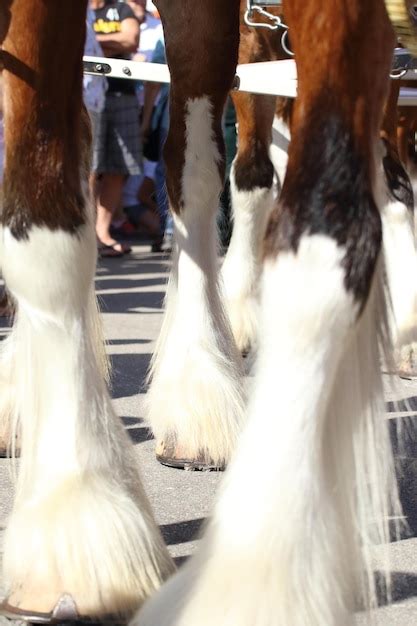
241, 271
196, 392
312, 470
401, 269
81, 523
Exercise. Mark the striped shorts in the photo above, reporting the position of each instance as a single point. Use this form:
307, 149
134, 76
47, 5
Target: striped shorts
117, 146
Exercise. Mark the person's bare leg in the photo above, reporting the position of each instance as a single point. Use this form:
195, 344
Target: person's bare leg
109, 193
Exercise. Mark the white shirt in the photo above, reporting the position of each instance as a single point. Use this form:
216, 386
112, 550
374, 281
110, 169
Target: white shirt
150, 33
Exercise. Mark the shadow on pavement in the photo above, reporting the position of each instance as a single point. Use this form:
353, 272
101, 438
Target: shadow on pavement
406, 404
128, 283
129, 421
403, 433
131, 302
403, 586
133, 264
125, 342
129, 373
181, 532
140, 434
137, 430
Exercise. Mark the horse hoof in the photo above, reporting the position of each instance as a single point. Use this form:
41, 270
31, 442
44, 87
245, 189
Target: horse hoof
407, 363
167, 453
407, 374
6, 449
65, 613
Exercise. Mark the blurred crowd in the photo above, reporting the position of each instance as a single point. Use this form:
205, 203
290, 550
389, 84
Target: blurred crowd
130, 122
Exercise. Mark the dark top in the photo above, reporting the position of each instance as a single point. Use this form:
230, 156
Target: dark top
108, 21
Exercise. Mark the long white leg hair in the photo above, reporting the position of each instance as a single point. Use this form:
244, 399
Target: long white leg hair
394, 196
242, 267
252, 195
196, 398
78, 476
287, 545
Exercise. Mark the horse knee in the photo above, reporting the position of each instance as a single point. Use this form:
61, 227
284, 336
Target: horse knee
253, 169
50, 270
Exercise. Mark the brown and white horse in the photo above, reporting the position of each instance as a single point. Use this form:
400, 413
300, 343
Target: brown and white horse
252, 178
313, 466
252, 181
81, 539
310, 486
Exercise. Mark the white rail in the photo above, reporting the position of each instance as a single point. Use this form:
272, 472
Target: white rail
276, 78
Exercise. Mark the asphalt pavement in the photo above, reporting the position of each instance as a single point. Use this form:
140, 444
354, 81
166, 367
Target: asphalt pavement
131, 291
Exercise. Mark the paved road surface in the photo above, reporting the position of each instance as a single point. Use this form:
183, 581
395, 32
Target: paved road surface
131, 291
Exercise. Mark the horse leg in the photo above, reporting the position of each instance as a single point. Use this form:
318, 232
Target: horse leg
80, 540
7, 392
251, 183
196, 400
289, 541
394, 194
9, 438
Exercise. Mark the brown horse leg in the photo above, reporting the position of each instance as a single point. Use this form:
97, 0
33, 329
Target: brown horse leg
80, 540
251, 182
8, 443
196, 399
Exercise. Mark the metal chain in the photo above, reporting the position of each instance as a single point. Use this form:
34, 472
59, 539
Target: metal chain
275, 22
402, 63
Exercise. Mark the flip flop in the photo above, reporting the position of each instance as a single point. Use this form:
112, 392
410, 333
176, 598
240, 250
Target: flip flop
108, 252
124, 248
115, 249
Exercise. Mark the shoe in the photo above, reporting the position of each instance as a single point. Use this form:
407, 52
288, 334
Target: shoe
157, 247
113, 250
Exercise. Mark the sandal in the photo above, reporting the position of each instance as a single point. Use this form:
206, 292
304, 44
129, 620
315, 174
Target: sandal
115, 249
107, 252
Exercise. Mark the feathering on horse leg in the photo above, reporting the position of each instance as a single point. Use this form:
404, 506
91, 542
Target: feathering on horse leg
7, 393
328, 190
251, 183
312, 483
293, 527
394, 195
195, 400
9, 437
81, 539
77, 473
275, 506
